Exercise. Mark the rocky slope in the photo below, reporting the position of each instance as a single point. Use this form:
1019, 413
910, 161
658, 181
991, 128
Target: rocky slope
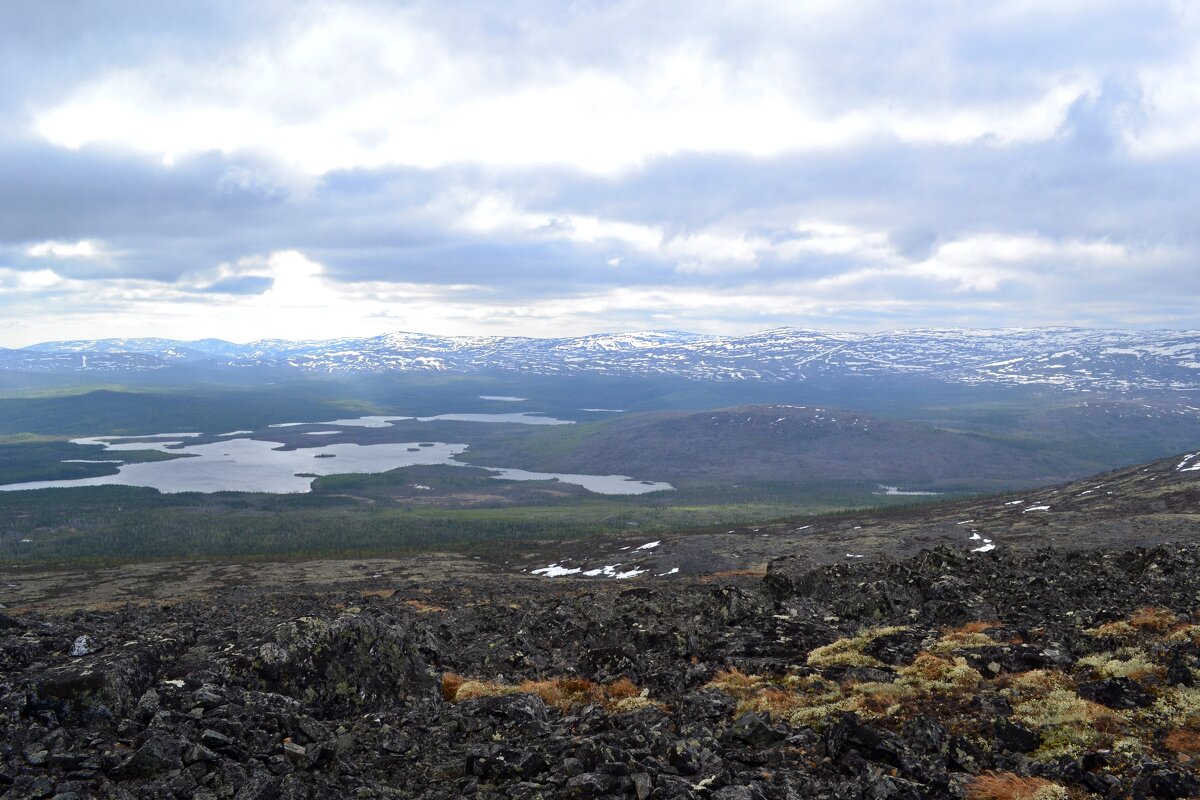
1016, 672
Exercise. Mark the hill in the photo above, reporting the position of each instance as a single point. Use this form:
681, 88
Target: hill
789, 443
1024, 670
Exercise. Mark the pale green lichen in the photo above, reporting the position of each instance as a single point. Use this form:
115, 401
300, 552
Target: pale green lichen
849, 652
1127, 662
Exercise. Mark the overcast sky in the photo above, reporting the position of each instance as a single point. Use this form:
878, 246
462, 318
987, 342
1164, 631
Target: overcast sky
310, 170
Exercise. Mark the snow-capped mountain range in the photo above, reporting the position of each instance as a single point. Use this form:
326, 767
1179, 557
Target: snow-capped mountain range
1070, 358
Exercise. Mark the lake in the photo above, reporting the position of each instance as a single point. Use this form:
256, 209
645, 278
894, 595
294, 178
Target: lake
257, 465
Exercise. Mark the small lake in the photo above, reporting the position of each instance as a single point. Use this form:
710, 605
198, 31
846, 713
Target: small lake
257, 465
515, 418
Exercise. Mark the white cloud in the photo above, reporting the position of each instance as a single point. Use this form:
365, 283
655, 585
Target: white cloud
85, 248
368, 86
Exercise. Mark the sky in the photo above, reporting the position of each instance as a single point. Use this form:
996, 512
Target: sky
322, 169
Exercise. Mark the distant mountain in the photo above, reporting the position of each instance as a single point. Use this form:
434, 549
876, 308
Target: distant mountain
1068, 358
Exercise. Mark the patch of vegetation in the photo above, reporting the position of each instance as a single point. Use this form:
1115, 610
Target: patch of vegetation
936, 682
1010, 786
849, 652
565, 694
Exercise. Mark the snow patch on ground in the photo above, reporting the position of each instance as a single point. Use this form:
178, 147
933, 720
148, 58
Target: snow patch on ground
556, 571
896, 491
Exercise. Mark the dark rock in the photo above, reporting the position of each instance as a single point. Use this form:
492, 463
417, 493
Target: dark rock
707, 704
753, 729
30, 787
1120, 693
900, 647
1015, 738
926, 735
848, 734
1167, 783
8, 623
588, 785
160, 753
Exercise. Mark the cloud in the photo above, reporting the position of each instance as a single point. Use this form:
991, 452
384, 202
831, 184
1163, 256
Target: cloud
549, 167
84, 248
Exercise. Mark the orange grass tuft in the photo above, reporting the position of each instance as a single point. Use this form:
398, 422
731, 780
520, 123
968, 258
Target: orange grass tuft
562, 693
979, 626
1008, 786
450, 684
1156, 620
1183, 740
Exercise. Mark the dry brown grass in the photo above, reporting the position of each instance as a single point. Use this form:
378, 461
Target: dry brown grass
979, 626
385, 594
562, 693
1038, 681
929, 672
421, 607
734, 682
450, 685
733, 573
1120, 629
1155, 620
1009, 786
962, 640
1183, 740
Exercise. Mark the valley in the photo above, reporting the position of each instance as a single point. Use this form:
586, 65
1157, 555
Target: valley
271, 461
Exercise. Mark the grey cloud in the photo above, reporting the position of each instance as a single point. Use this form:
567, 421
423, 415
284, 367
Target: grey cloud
163, 223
